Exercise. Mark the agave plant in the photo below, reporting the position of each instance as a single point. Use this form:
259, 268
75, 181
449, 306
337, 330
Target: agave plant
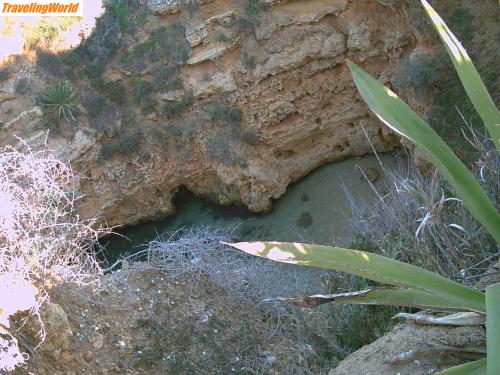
59, 100
408, 285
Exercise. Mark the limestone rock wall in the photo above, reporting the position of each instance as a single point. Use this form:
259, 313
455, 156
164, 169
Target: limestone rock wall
270, 100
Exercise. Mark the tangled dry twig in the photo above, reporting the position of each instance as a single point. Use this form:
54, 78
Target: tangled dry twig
43, 241
197, 251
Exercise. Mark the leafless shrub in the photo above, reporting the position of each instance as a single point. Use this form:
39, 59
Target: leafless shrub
43, 242
10, 355
42, 236
197, 251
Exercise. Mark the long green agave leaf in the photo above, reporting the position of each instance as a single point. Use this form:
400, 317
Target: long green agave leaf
371, 266
471, 368
377, 296
476, 90
399, 117
493, 328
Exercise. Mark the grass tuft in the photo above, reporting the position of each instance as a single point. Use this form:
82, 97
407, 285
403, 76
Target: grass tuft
412, 223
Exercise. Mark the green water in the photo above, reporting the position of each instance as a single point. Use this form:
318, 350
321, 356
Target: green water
313, 210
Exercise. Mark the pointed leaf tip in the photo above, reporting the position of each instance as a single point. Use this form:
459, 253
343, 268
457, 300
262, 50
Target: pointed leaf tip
372, 266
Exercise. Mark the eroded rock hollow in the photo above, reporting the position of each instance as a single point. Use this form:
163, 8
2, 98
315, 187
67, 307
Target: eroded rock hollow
232, 99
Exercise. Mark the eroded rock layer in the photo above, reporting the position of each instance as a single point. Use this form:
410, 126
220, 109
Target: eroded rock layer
257, 96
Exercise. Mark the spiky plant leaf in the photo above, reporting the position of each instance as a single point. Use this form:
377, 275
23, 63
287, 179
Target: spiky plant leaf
474, 86
59, 100
371, 266
398, 116
378, 296
493, 328
471, 368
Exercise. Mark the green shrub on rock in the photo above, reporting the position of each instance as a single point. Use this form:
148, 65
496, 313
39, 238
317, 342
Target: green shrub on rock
124, 144
142, 91
224, 114
59, 99
166, 77
176, 108
116, 91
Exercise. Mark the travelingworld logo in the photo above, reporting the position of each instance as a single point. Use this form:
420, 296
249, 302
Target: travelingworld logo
41, 8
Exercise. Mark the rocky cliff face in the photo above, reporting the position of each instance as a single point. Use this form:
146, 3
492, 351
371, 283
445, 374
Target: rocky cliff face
232, 99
